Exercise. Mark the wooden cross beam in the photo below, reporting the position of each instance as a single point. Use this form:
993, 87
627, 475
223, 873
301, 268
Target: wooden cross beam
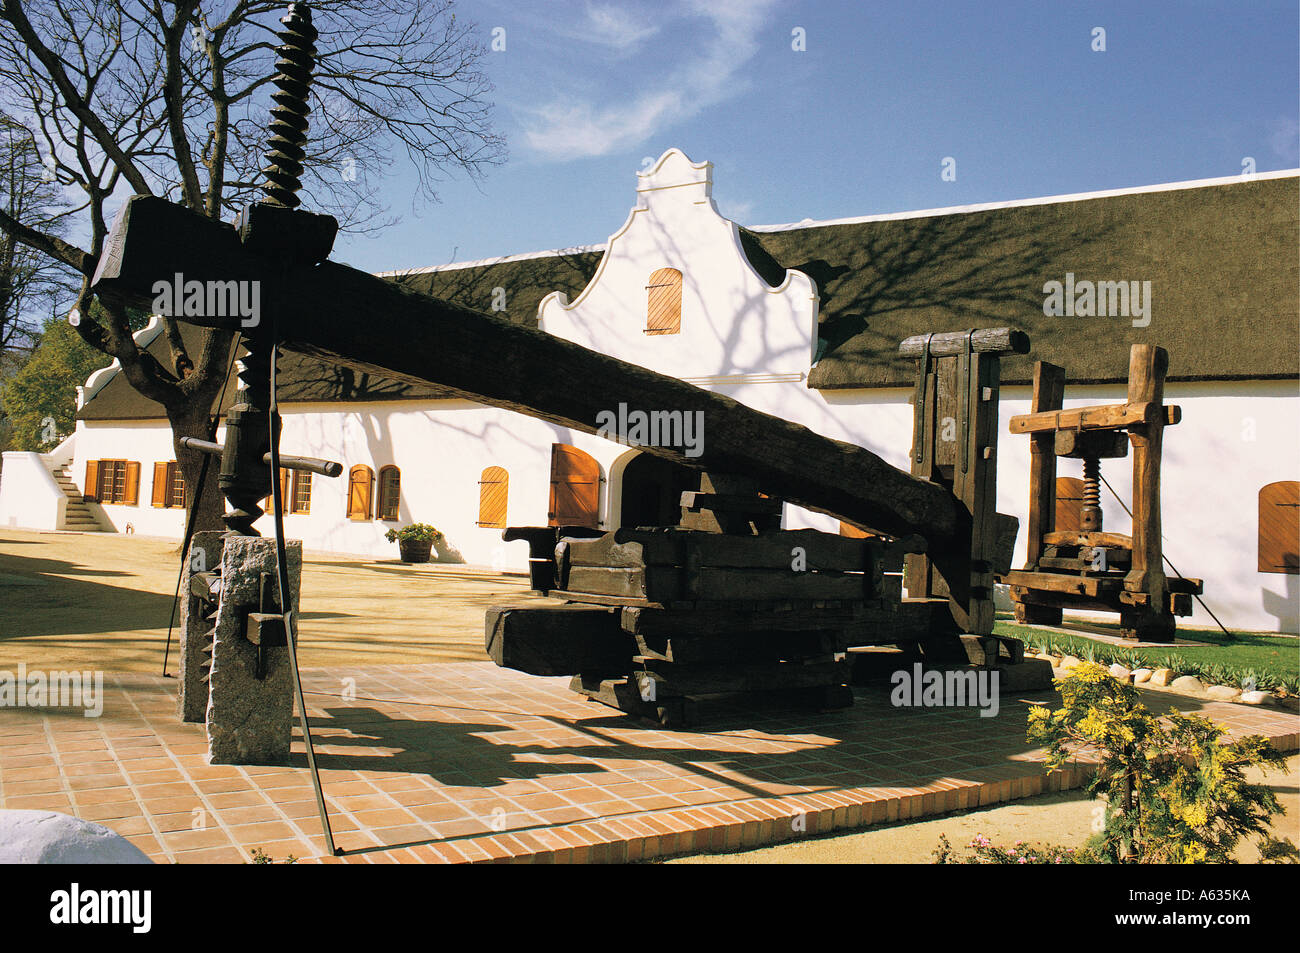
347, 317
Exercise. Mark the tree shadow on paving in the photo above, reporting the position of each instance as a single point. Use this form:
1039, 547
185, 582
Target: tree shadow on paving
57, 605
466, 754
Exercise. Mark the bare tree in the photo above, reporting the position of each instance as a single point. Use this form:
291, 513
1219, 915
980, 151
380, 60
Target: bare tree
32, 285
171, 97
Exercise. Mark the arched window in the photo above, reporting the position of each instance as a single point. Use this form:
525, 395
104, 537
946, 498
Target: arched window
1279, 527
664, 302
390, 493
360, 480
493, 494
1069, 501
575, 488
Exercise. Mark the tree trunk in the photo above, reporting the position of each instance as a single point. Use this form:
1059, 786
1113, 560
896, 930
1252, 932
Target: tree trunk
193, 420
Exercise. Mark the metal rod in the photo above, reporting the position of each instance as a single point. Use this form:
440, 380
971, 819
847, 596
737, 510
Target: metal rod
286, 606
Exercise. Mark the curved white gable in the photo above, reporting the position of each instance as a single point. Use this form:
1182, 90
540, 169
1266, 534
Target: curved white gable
733, 322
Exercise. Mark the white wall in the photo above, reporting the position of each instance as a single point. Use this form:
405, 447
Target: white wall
752, 342
29, 495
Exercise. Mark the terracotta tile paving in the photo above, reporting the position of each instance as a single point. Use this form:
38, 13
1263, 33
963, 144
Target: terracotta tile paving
459, 762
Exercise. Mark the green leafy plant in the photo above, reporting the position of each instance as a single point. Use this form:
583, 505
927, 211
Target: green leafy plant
414, 533
1175, 788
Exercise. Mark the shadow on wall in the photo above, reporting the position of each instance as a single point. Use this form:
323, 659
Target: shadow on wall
1286, 607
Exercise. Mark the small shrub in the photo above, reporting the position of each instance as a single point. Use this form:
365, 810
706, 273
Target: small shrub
1175, 788
260, 856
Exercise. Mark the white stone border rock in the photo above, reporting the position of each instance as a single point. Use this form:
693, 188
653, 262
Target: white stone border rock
1167, 679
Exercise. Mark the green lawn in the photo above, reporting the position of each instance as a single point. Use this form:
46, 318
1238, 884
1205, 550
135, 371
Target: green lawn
1238, 654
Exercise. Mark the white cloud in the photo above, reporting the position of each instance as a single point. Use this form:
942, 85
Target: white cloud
574, 127
613, 26
1284, 139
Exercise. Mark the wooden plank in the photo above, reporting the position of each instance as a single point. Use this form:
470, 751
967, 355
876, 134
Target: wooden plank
1062, 582
714, 583
952, 343
1098, 417
638, 547
1102, 444
729, 502
557, 639
1049, 392
673, 679
739, 647
820, 551
596, 598
912, 620
349, 318
663, 624
656, 583
1104, 540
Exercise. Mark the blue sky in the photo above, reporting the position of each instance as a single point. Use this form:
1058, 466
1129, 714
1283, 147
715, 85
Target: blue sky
860, 121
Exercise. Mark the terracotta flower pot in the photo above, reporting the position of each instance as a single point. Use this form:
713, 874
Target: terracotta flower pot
414, 550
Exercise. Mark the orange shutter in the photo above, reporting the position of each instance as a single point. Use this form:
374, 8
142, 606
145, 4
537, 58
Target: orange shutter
1069, 501
575, 488
90, 491
286, 491
493, 491
360, 479
161, 484
132, 495
664, 302
1279, 527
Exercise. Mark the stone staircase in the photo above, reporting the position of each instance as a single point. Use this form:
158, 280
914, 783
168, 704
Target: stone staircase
78, 516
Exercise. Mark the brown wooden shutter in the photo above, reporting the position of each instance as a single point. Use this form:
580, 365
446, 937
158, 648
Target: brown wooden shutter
575, 488
162, 484
1279, 527
90, 492
132, 496
1069, 501
664, 302
360, 479
286, 492
493, 494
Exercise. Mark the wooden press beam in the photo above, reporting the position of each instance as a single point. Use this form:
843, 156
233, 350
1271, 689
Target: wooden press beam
348, 317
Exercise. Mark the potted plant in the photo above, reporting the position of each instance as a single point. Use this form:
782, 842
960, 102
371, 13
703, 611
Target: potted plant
414, 541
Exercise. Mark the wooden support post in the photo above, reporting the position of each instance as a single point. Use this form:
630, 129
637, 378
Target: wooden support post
955, 440
1148, 365
1049, 394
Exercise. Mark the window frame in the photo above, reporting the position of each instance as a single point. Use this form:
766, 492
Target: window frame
382, 508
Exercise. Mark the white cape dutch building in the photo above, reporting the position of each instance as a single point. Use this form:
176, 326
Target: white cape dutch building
802, 321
